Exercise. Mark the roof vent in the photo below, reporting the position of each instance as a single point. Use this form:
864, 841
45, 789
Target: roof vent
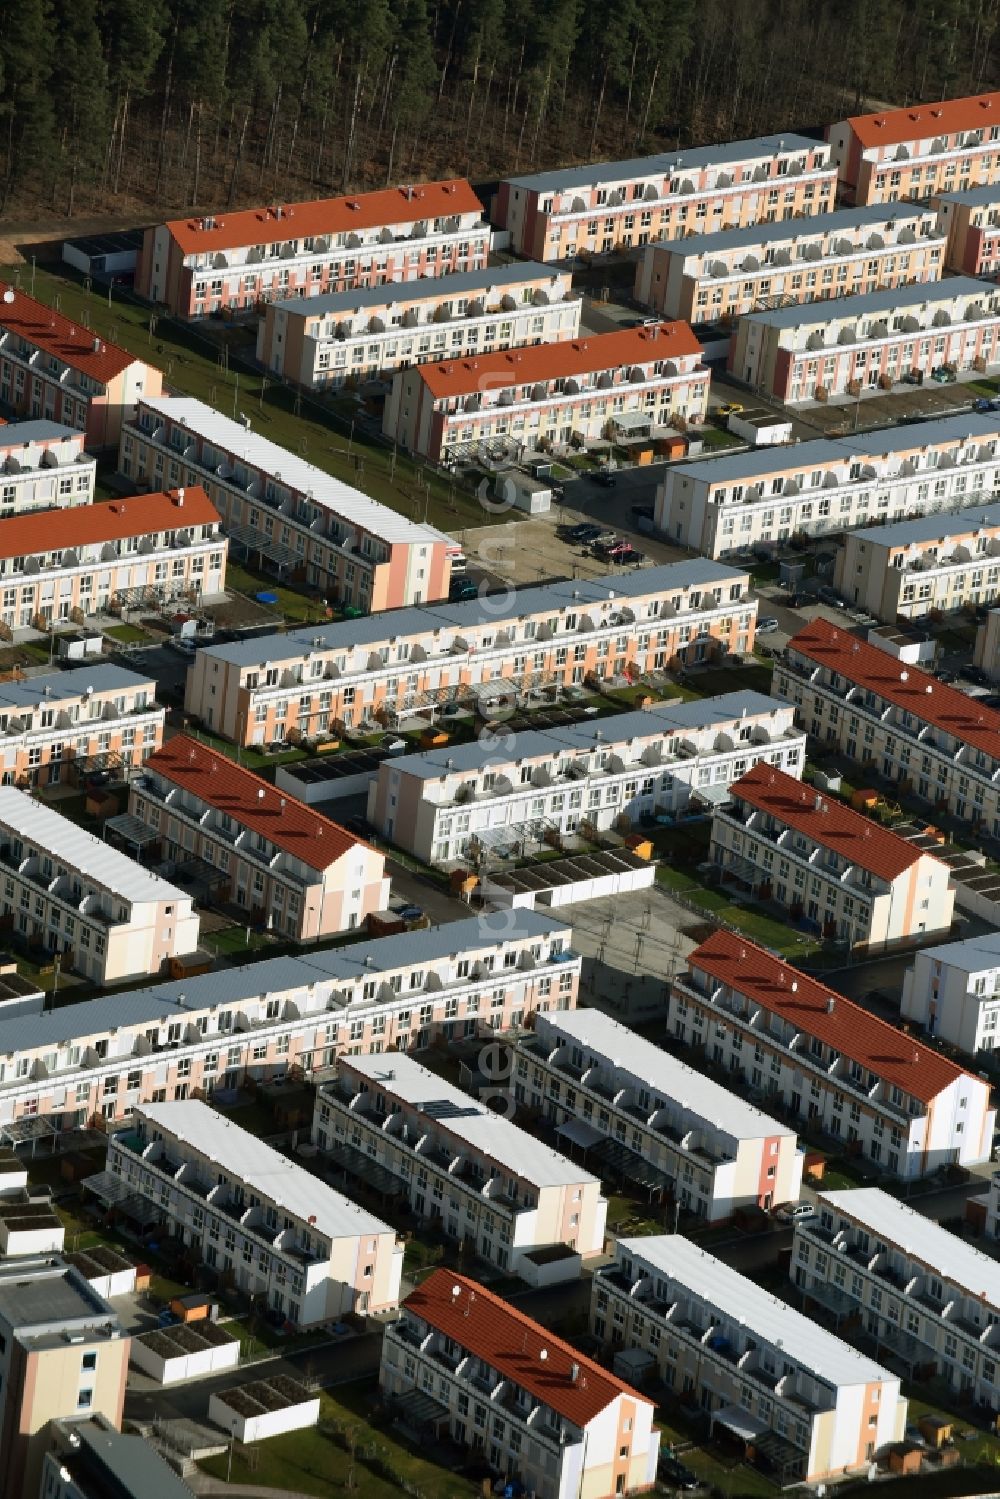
179, 497
96, 345
830, 1005
795, 986
904, 676
929, 687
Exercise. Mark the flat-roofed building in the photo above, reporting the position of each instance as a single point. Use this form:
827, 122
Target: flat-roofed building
853, 880
653, 1118
469, 1171
615, 205
282, 1235
953, 992
971, 220
873, 1090
285, 864
918, 151
54, 370
914, 1290
767, 1376
255, 1023
70, 893
484, 1374
239, 260
43, 466
933, 740
706, 277
734, 504
369, 333
936, 564
868, 342
61, 724
669, 760
148, 548
278, 507
314, 680
89, 1459
578, 389
63, 1354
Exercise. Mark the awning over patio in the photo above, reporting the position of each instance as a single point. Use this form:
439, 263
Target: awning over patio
579, 1133
740, 1422
716, 795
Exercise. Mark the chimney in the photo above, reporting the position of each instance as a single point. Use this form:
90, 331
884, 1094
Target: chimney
96, 345
179, 498
795, 986
830, 1004
574, 1372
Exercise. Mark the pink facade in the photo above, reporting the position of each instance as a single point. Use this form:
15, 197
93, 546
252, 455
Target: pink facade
972, 223
919, 151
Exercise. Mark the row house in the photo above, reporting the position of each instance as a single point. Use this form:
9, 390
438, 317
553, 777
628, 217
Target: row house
635, 380
88, 1458
286, 865
615, 205
971, 220
267, 1225
910, 1287
468, 1171
238, 261
653, 1119
922, 568
735, 504
986, 647
807, 1403
869, 342
144, 549
873, 1090
847, 877
66, 891
709, 277
52, 370
67, 723
919, 151
299, 520
953, 991
464, 1364
984, 1209
368, 334
673, 760
306, 683
294, 1015
900, 723
43, 466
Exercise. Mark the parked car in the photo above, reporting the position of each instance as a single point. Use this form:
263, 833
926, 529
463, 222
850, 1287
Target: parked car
768, 625
605, 478
642, 512
912, 377
629, 558
948, 677
671, 1471
983, 405
612, 548
795, 1212
182, 645
360, 827
603, 540
451, 710
975, 675
584, 533
828, 595
943, 375
729, 408
410, 913
462, 589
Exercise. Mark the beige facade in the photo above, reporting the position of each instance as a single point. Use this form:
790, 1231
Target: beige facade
922, 568
986, 652
971, 220
918, 151
311, 681
43, 466
712, 277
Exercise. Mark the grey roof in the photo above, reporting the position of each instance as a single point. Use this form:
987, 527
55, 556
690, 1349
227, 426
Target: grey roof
776, 460
43, 1296
418, 619
135, 1469
790, 229
889, 299
59, 686
974, 954
36, 429
663, 718
179, 998
976, 197
692, 159
428, 289
932, 527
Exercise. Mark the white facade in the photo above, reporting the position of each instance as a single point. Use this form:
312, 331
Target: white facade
43, 466
672, 759
195, 1354
281, 1234
915, 568
801, 1397
708, 1148
953, 991
254, 1421
917, 1291
728, 505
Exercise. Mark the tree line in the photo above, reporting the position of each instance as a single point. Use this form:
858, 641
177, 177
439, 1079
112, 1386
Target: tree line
111, 105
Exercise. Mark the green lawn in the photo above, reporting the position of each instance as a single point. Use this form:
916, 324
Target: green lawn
316, 1462
758, 925
716, 679
731, 1479
254, 759
126, 634
319, 431
716, 437
232, 942
294, 605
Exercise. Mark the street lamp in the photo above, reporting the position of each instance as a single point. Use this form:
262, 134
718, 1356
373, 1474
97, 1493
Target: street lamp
232, 1443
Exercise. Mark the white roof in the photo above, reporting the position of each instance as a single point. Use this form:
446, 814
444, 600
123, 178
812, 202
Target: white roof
247, 1159
78, 850
766, 1318
721, 1109
468, 1119
911, 1233
295, 473
974, 955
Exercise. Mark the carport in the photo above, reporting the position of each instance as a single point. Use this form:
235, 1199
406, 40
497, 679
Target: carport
617, 1160
252, 540
25, 1131
133, 832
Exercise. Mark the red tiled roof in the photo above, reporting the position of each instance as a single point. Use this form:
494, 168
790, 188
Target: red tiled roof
54, 334
818, 1011
253, 802
920, 121
110, 520
555, 361
929, 700
512, 1343
827, 821
261, 226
